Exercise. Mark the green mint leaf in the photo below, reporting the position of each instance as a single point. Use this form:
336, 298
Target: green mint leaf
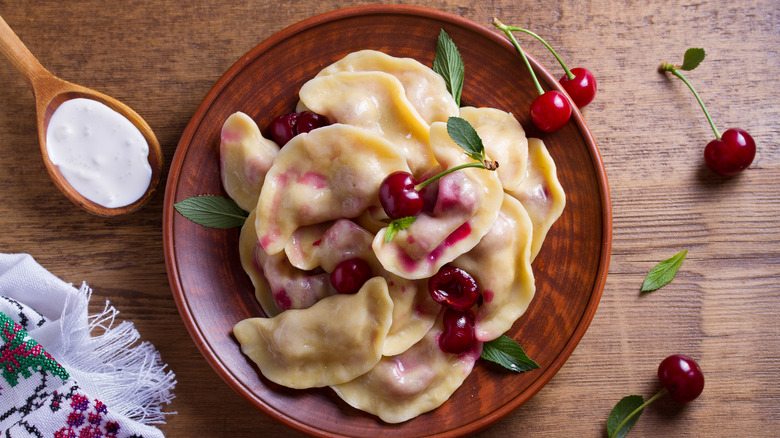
693, 57
398, 225
212, 211
620, 412
449, 65
506, 352
466, 137
663, 272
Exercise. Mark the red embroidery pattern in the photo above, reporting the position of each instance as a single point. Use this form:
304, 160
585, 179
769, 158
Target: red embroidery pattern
87, 421
20, 355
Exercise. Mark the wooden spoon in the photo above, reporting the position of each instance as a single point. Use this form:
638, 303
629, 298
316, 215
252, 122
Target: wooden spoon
50, 92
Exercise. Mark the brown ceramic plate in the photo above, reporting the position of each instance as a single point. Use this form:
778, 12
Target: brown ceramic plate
213, 293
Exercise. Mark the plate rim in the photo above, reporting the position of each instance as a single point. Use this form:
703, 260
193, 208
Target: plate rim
181, 300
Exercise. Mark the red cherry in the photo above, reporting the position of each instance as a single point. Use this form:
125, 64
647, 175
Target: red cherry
309, 121
454, 288
732, 154
581, 88
399, 197
287, 126
350, 275
550, 111
283, 128
682, 377
458, 336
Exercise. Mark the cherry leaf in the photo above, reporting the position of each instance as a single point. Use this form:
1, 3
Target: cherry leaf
664, 272
398, 225
692, 58
625, 407
212, 211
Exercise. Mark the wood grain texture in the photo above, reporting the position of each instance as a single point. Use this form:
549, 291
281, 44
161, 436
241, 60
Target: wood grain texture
162, 57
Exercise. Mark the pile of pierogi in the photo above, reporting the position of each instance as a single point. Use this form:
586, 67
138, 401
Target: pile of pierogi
314, 203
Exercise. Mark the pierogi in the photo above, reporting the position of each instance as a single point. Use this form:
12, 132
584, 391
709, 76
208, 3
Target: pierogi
314, 205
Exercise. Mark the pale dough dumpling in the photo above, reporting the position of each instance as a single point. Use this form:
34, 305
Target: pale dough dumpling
416, 381
501, 265
467, 205
540, 193
245, 157
376, 102
504, 141
279, 285
424, 88
326, 245
332, 342
328, 173
248, 247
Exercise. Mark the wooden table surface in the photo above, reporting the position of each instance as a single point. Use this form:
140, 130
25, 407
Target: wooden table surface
161, 57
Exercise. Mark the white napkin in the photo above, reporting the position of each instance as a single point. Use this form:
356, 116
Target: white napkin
66, 374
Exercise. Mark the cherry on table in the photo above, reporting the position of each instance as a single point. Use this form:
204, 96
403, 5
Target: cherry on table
458, 336
550, 111
682, 377
398, 196
581, 86
454, 288
730, 154
350, 275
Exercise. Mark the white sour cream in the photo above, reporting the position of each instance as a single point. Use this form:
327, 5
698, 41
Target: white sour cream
100, 153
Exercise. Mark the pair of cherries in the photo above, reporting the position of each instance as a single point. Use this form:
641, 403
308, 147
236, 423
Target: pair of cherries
457, 291
287, 126
552, 110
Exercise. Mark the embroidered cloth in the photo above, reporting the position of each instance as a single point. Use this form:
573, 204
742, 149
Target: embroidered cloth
66, 374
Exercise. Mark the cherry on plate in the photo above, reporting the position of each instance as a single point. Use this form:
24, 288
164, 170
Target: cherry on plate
350, 275
458, 336
398, 196
454, 288
581, 88
550, 111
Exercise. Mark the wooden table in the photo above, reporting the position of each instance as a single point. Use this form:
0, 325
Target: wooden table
161, 58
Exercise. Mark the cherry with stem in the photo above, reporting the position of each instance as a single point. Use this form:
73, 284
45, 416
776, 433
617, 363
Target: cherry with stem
730, 153
681, 378
578, 82
551, 110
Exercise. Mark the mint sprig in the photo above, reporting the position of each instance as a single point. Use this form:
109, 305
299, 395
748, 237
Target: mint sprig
465, 136
506, 352
212, 211
449, 64
398, 225
664, 272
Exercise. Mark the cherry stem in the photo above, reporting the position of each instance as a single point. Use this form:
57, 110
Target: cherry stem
676, 71
511, 37
637, 411
569, 74
422, 185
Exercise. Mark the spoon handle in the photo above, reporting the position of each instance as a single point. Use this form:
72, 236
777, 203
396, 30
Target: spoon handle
20, 57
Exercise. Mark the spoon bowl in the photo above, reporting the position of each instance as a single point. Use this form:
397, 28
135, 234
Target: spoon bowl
50, 92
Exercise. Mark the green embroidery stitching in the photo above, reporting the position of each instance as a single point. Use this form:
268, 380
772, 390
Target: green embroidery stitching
21, 355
